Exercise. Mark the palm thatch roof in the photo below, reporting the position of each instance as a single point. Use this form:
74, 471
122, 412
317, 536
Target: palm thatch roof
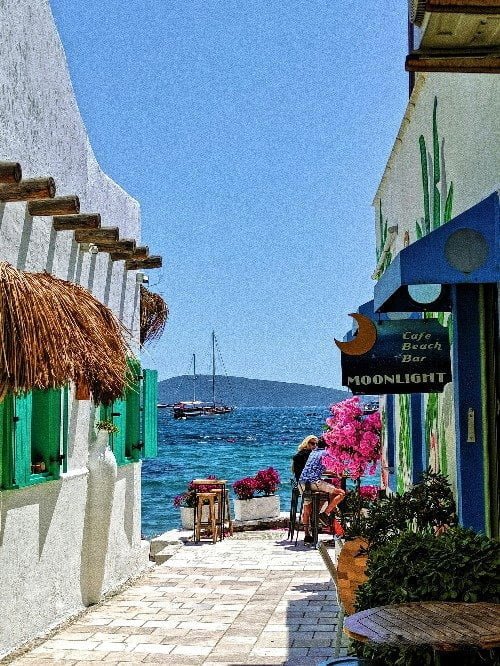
154, 315
53, 332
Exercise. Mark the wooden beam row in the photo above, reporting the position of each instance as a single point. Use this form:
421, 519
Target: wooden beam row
40, 193
457, 61
463, 6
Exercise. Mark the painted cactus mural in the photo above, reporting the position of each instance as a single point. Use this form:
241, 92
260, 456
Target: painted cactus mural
404, 475
383, 232
435, 188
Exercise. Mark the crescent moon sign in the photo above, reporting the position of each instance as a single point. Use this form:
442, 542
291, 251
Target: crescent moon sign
364, 339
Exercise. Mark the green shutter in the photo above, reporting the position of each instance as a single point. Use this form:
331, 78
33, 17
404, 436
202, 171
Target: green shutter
6, 441
133, 444
118, 439
22, 440
150, 413
65, 427
46, 429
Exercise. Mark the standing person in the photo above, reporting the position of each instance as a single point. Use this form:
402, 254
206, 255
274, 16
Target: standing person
310, 479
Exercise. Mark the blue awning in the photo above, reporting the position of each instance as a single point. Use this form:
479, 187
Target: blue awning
463, 251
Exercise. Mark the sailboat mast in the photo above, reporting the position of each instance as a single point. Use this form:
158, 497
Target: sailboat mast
194, 377
213, 367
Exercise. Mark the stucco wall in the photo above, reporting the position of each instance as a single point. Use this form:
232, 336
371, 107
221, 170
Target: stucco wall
451, 119
468, 107
42, 528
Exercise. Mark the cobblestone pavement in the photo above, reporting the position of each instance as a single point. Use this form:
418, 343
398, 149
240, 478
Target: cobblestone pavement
245, 600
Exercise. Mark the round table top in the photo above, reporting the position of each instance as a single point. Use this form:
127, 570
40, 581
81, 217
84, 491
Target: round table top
441, 624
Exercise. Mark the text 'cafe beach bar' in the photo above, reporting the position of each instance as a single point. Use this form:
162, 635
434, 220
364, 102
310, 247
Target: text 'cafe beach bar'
428, 341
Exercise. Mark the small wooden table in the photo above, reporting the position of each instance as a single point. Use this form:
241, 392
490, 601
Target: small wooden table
442, 625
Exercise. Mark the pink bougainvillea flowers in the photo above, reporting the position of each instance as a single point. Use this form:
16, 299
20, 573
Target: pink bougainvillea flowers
353, 440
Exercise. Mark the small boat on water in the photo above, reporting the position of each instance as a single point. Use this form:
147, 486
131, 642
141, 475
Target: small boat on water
191, 408
188, 409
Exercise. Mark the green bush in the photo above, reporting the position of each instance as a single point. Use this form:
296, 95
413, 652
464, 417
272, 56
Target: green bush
459, 565
425, 506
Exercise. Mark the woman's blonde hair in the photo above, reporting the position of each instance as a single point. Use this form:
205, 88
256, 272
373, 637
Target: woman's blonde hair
305, 443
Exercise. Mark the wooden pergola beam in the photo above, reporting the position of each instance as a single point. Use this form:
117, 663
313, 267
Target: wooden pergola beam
10, 172
57, 206
456, 61
463, 6
120, 250
25, 190
102, 236
74, 222
137, 265
141, 252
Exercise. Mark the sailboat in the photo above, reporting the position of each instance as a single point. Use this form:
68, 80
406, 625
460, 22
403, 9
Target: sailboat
187, 409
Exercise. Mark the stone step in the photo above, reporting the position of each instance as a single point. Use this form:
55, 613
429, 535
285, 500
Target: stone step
170, 538
166, 553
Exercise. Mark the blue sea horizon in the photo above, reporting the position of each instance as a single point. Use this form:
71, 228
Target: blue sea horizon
230, 447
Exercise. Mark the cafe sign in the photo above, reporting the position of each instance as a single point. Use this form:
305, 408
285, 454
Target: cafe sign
403, 356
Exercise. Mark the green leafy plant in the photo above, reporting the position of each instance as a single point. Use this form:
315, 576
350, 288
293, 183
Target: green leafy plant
108, 426
431, 503
458, 565
426, 507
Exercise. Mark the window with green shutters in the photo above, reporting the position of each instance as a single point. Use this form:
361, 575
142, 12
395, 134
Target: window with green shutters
33, 437
150, 413
135, 416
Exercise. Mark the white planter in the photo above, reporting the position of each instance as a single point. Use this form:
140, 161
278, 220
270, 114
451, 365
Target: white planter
187, 516
257, 508
101, 484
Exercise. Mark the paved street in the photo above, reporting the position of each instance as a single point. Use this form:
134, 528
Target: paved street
252, 599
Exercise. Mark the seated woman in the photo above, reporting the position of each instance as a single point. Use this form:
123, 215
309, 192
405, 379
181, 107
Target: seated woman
300, 458
310, 478
299, 461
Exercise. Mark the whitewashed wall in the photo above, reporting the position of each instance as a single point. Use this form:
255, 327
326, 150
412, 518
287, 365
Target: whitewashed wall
468, 108
42, 528
468, 133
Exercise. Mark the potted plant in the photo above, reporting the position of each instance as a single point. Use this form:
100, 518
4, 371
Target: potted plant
266, 505
185, 503
427, 507
454, 565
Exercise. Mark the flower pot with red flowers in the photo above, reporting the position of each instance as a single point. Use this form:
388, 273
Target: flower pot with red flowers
256, 498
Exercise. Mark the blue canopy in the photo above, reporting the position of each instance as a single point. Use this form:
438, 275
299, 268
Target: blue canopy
463, 251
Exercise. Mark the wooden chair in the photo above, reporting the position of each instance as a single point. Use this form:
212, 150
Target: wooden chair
294, 503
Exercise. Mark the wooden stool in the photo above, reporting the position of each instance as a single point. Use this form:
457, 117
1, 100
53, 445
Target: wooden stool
211, 521
318, 499
224, 511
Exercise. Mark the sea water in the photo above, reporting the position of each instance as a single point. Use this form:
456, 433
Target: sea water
230, 447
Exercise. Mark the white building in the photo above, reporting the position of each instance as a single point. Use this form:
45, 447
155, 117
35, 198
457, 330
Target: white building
69, 521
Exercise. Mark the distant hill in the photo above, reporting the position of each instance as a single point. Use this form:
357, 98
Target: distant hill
242, 392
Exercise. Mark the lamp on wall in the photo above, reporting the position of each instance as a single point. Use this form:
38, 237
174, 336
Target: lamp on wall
141, 278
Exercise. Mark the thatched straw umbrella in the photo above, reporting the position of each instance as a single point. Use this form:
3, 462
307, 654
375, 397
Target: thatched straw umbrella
53, 332
154, 315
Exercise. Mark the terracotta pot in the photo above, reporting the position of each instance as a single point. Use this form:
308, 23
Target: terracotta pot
351, 571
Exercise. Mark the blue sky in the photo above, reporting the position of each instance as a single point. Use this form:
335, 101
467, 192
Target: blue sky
254, 134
